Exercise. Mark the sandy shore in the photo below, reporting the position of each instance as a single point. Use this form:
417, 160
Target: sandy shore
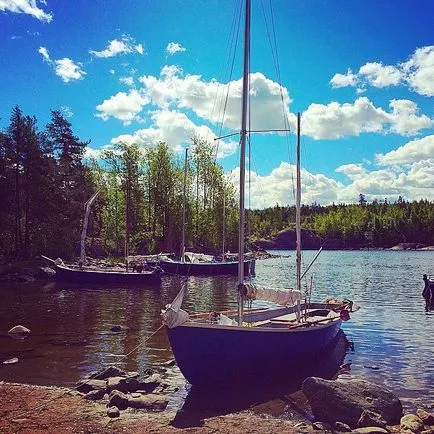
39, 409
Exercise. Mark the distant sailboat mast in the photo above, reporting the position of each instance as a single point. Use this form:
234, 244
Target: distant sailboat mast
183, 208
243, 159
298, 210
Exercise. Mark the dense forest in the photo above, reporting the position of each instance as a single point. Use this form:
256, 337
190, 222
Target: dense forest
46, 180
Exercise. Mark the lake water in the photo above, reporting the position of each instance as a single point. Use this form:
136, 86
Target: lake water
389, 341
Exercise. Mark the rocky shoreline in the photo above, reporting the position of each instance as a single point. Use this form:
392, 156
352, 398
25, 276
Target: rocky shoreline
112, 401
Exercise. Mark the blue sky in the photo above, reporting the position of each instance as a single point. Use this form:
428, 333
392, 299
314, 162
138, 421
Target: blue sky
360, 72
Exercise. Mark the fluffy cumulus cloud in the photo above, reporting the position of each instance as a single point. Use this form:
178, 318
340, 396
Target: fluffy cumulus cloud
29, 7
412, 152
344, 80
379, 75
172, 92
124, 45
175, 129
65, 68
173, 48
214, 101
278, 187
352, 170
417, 72
407, 171
334, 120
123, 106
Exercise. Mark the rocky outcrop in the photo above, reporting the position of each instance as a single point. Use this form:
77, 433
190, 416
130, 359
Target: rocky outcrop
346, 400
124, 390
408, 246
286, 240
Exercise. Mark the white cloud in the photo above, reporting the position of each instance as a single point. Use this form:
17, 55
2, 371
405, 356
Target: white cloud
412, 152
414, 183
173, 48
353, 171
208, 99
44, 52
175, 129
344, 80
125, 45
278, 187
417, 72
334, 120
129, 81
404, 118
29, 7
379, 75
68, 70
420, 71
123, 106
65, 68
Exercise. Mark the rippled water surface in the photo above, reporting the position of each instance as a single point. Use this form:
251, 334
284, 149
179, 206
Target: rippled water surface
390, 339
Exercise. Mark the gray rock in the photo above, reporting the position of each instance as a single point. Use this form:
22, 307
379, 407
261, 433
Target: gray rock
151, 383
427, 418
46, 273
95, 395
132, 384
118, 399
369, 418
11, 361
90, 385
149, 402
19, 330
113, 412
411, 422
117, 383
323, 426
342, 427
370, 430
345, 400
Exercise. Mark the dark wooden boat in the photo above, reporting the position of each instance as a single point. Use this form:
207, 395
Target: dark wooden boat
272, 340
213, 268
75, 274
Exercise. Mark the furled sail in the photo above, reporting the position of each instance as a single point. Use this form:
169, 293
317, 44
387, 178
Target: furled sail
173, 316
284, 297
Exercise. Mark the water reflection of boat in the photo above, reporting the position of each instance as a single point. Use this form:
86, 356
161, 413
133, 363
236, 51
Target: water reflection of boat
228, 397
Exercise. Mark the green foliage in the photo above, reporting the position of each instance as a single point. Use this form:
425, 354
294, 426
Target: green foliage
44, 185
379, 224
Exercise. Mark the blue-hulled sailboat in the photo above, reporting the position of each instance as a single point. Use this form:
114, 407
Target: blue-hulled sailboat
213, 347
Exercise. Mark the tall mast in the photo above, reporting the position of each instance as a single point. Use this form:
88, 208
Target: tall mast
183, 209
243, 158
224, 224
298, 210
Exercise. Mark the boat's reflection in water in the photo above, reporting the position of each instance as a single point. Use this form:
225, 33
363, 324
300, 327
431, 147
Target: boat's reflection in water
223, 398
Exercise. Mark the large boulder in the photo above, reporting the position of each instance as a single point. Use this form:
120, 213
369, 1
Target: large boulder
345, 400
